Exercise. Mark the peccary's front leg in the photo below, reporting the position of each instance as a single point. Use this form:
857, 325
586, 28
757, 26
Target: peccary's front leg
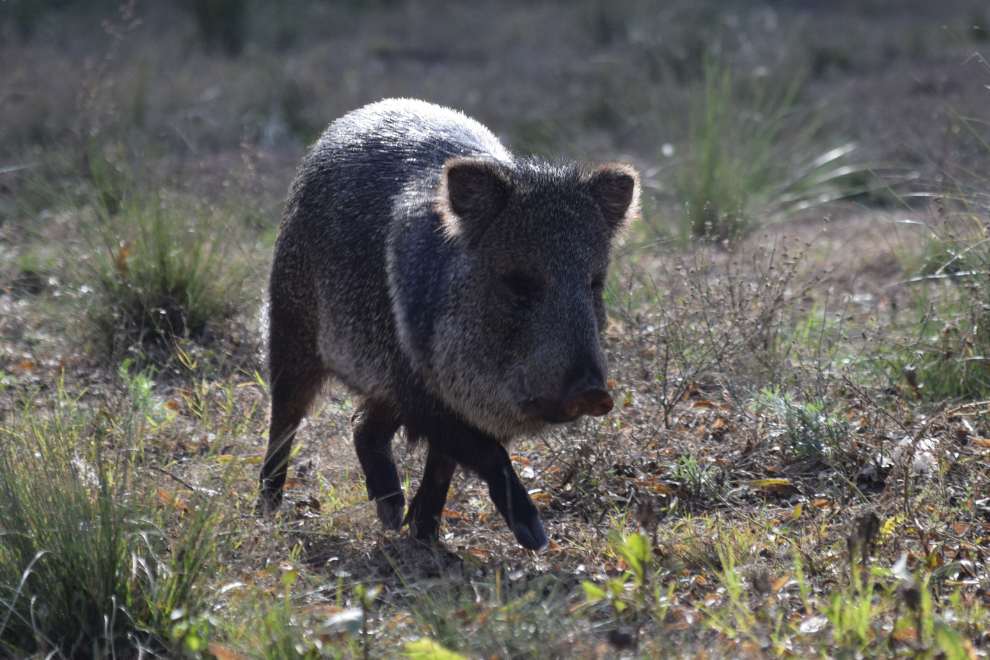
486, 456
426, 508
375, 423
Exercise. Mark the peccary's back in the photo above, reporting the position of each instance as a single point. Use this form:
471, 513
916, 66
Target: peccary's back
358, 178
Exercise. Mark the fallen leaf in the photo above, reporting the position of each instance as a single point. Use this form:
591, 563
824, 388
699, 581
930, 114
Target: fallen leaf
541, 497
479, 553
173, 500
222, 652
773, 485
813, 624
779, 583
120, 259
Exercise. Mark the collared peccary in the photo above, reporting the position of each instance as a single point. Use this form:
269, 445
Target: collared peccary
454, 287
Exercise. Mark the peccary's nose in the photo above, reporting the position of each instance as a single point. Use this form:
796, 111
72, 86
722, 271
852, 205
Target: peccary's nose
586, 395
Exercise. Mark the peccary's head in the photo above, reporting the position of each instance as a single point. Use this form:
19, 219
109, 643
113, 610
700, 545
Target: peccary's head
518, 344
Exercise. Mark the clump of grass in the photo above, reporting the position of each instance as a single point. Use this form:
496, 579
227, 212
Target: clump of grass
165, 270
753, 156
945, 353
86, 569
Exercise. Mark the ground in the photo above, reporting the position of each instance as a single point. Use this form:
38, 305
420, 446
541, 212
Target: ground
799, 463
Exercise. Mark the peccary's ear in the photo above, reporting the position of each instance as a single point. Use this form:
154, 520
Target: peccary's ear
615, 187
472, 192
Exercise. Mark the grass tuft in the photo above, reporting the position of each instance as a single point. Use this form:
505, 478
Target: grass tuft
753, 156
165, 270
86, 569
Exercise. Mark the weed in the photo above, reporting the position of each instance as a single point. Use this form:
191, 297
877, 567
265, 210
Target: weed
810, 432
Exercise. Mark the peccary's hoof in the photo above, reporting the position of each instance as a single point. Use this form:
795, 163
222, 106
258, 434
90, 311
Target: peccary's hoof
531, 535
268, 503
390, 510
423, 528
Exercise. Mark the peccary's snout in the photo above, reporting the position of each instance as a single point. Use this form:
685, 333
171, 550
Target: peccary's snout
584, 394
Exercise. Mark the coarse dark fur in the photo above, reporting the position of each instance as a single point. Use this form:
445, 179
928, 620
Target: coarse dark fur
455, 288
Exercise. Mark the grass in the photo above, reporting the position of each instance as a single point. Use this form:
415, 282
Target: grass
87, 567
753, 156
165, 269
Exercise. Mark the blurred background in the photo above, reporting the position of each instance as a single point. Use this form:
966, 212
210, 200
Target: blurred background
192, 87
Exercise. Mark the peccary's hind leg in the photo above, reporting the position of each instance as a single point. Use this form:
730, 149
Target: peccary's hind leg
427, 506
293, 392
295, 372
375, 423
486, 456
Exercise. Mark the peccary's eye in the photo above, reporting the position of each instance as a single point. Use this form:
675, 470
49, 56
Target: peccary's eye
598, 282
522, 286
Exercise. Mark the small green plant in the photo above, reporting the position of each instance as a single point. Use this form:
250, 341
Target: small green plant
696, 481
85, 567
809, 431
752, 156
944, 350
635, 593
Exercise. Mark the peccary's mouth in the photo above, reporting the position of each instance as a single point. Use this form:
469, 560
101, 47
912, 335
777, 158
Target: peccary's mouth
595, 402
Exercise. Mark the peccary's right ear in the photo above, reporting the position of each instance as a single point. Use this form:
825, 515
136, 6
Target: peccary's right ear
472, 193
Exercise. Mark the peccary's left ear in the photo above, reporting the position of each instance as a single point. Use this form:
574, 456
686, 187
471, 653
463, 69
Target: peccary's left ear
473, 191
615, 187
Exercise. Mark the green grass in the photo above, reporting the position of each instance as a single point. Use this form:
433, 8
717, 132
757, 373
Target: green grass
87, 567
754, 156
165, 269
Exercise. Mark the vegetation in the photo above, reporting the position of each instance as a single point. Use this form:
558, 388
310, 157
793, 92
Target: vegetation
799, 459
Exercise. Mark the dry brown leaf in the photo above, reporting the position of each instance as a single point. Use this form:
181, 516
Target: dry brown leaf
541, 497
173, 500
779, 583
960, 528
120, 259
222, 652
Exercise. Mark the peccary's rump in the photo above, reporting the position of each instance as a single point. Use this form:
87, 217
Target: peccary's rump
455, 288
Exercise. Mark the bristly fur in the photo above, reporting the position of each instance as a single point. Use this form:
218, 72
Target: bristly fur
442, 279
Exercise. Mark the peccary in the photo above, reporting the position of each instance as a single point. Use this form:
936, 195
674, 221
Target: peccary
454, 287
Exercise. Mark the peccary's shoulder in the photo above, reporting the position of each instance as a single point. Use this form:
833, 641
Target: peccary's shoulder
420, 263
